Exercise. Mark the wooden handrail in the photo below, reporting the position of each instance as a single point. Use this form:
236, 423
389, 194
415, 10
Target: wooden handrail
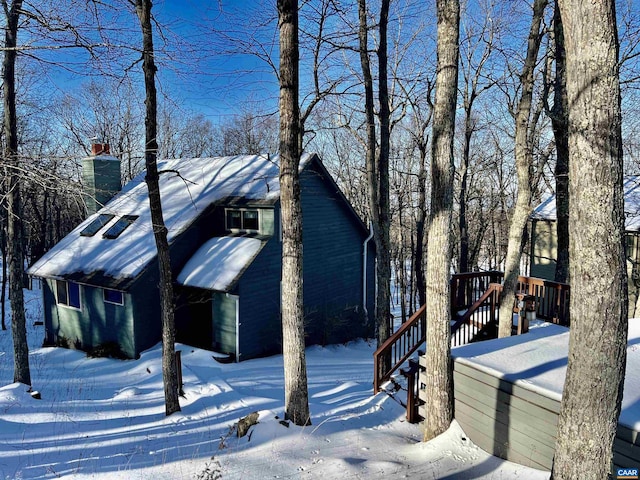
398, 348
493, 287
552, 304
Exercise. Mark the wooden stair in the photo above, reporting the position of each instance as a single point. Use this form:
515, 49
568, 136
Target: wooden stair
477, 296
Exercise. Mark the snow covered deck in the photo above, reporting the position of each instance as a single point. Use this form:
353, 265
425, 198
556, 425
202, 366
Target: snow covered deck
508, 392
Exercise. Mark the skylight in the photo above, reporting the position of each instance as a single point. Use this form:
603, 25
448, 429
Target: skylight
120, 226
91, 229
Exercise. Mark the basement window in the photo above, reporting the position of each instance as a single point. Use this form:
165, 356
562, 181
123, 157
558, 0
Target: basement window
91, 229
68, 294
113, 296
243, 220
120, 226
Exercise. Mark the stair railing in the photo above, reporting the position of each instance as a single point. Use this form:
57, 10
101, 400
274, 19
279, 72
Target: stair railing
481, 314
398, 348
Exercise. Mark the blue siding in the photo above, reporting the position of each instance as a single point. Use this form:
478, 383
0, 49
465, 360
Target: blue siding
333, 263
333, 239
95, 324
259, 305
146, 309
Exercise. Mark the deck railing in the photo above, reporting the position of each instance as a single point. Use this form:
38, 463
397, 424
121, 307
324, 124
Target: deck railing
482, 314
467, 287
398, 348
475, 301
552, 298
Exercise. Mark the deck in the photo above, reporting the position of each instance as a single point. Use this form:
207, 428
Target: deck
508, 392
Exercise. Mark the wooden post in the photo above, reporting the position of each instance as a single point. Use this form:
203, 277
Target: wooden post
179, 371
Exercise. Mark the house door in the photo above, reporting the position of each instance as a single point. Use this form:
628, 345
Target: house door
225, 320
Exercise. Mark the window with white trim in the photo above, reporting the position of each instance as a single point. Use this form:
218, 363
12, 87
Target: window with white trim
115, 297
243, 220
68, 294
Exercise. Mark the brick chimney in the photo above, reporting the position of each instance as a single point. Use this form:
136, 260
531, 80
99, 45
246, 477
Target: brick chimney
100, 175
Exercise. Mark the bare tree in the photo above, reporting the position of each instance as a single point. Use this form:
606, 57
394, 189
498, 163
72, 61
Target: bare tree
559, 119
439, 375
169, 369
597, 348
378, 165
293, 346
13, 186
524, 166
477, 49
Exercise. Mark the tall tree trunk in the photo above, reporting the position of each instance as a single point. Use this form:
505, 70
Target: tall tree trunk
439, 387
295, 366
169, 367
559, 123
420, 227
383, 243
15, 251
597, 346
378, 167
524, 164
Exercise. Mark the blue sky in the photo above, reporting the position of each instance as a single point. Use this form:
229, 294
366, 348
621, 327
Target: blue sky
219, 83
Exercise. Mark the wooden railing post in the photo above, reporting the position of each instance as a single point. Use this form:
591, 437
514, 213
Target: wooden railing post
179, 371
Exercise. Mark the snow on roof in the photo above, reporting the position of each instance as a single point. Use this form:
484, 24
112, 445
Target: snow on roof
219, 262
538, 361
187, 186
547, 208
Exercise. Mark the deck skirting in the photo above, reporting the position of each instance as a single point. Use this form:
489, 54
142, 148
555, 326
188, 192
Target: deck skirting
516, 423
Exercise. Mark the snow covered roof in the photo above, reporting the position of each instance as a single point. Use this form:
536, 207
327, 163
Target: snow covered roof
188, 187
537, 361
547, 208
218, 264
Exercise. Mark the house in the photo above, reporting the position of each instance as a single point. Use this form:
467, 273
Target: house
100, 283
543, 240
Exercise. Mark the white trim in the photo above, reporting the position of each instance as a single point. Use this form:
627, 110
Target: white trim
242, 210
104, 290
364, 270
66, 305
236, 298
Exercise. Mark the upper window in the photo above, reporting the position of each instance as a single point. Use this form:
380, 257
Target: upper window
68, 293
113, 296
243, 220
91, 229
120, 226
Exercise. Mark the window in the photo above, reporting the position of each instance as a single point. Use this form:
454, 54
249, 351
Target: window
243, 220
113, 296
68, 293
234, 219
91, 229
120, 226
250, 220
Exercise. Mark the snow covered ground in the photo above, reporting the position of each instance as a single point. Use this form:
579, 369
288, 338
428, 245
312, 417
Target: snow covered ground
104, 419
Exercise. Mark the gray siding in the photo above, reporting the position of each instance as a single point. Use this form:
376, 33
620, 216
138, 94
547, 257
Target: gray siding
146, 309
543, 249
516, 423
101, 180
544, 253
